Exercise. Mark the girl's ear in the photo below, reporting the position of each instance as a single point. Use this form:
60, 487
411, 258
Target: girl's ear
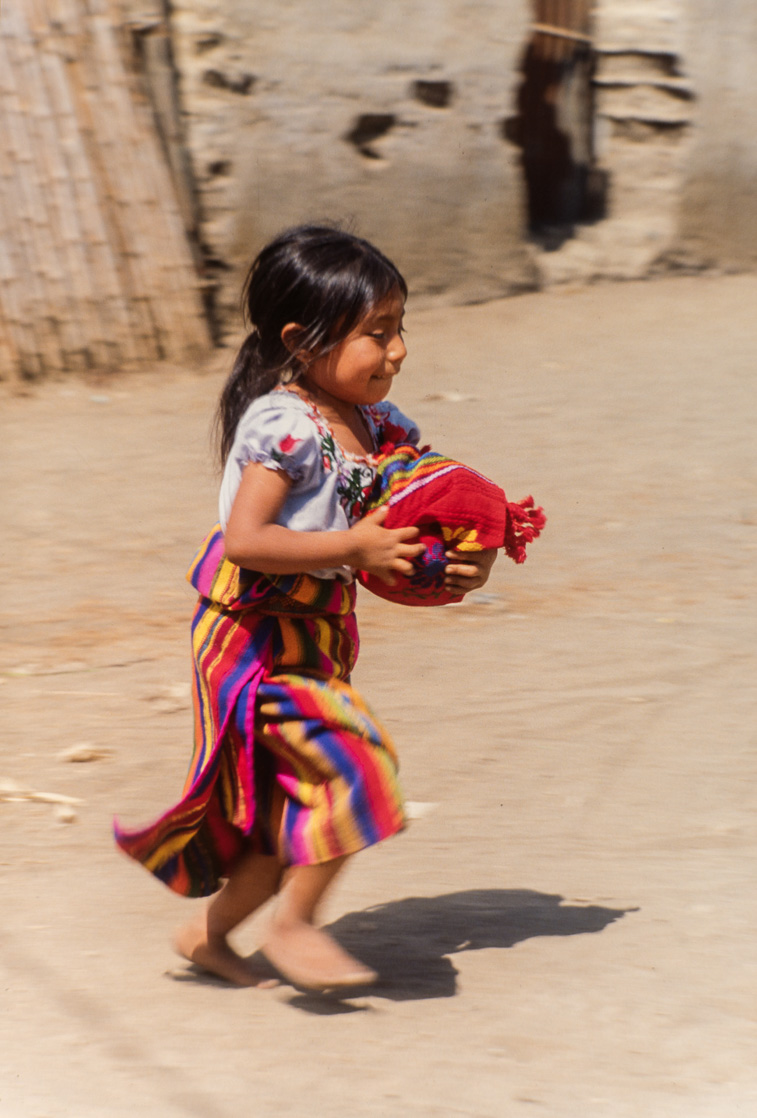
290, 335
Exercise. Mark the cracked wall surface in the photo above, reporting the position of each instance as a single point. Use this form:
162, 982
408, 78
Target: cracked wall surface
393, 119
388, 117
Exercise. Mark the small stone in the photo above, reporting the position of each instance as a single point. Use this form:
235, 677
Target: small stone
10, 790
64, 813
171, 698
82, 751
416, 809
452, 397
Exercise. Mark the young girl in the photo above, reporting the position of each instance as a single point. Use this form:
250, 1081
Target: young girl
291, 773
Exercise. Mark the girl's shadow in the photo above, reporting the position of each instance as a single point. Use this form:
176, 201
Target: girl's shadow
409, 942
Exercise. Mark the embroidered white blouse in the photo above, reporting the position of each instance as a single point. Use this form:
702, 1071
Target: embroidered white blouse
284, 431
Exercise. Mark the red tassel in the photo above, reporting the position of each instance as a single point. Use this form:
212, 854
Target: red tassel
525, 521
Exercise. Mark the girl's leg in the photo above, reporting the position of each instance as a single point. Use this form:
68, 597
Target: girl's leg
305, 954
254, 879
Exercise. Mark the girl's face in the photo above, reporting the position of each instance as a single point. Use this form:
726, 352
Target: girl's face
360, 370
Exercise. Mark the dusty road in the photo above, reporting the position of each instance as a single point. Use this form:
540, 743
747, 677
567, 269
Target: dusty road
567, 928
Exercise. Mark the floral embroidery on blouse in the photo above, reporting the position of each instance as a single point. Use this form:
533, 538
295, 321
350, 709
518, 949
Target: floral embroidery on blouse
356, 473
330, 486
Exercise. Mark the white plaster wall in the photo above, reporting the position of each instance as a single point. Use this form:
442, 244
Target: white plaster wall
718, 216
272, 89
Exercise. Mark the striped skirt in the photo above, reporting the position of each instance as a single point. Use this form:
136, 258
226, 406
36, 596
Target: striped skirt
288, 759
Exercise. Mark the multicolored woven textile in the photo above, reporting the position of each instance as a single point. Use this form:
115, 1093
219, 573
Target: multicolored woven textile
455, 508
287, 756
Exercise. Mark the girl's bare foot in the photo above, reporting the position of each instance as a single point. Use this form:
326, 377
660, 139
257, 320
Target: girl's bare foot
309, 957
214, 954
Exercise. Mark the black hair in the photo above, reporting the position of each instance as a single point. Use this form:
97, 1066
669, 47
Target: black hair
318, 276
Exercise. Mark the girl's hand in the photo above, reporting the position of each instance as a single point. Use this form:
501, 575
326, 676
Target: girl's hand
468, 570
383, 551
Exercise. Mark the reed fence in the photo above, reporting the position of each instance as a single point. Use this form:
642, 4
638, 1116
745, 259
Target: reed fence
96, 271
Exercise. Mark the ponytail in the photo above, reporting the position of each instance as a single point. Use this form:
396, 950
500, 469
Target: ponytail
250, 377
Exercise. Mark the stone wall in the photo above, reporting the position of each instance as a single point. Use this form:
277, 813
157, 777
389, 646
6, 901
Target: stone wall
393, 119
385, 116
644, 108
676, 137
718, 216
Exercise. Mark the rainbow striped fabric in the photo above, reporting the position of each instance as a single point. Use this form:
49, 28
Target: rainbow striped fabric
287, 758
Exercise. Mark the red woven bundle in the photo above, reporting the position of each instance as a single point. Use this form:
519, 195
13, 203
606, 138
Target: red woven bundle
455, 508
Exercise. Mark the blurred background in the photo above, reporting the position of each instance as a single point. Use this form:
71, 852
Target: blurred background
150, 148
567, 928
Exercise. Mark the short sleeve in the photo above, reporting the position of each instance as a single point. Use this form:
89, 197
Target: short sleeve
279, 435
277, 432
393, 426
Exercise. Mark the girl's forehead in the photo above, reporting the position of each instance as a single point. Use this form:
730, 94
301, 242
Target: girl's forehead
391, 306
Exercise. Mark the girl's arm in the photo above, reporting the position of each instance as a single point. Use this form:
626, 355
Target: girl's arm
254, 540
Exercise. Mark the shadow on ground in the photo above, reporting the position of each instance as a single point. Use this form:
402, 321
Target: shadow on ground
410, 942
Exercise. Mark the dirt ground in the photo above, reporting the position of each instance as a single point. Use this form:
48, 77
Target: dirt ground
567, 927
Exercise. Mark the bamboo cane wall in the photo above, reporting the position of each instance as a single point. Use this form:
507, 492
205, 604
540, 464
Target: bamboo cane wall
95, 267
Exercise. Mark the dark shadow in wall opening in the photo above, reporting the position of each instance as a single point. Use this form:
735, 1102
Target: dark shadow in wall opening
554, 125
